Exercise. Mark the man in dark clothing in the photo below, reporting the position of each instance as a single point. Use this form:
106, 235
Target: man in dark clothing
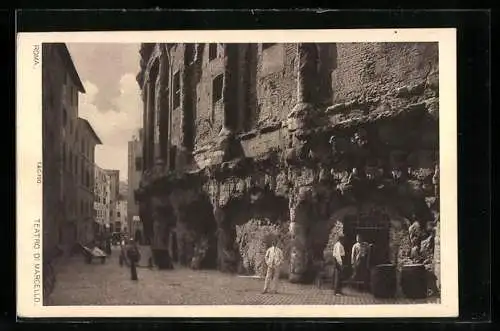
134, 256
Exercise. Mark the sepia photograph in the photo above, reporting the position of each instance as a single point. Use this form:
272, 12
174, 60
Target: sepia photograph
181, 172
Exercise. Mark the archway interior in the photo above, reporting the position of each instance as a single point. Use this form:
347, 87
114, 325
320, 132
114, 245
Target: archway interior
197, 236
370, 221
253, 221
374, 230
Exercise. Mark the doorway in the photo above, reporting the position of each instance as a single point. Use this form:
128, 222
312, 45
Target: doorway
374, 231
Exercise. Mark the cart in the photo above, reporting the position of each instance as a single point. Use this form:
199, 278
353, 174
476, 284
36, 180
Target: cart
89, 254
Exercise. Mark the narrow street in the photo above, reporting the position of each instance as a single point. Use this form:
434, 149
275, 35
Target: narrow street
109, 284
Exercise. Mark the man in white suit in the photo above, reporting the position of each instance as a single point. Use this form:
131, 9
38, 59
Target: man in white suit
274, 259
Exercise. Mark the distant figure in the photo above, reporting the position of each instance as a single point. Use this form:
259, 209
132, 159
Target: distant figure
274, 259
338, 255
133, 256
108, 246
123, 253
359, 257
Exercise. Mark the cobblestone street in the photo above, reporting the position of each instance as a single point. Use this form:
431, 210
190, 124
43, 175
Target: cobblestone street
109, 284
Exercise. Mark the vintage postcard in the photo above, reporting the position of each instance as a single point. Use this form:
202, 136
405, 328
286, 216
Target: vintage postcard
276, 173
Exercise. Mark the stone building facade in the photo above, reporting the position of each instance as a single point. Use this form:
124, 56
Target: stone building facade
114, 189
102, 193
68, 144
121, 221
324, 139
134, 178
85, 152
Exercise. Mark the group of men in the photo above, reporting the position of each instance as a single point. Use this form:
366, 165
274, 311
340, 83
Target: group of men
274, 258
359, 255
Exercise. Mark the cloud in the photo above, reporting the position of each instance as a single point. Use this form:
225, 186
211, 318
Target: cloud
114, 127
103, 64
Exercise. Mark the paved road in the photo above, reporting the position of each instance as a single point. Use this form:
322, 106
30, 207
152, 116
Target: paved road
109, 284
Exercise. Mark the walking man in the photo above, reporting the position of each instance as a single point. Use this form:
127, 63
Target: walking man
134, 257
274, 259
338, 254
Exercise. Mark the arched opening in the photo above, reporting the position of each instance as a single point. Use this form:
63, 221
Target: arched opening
250, 223
383, 228
195, 235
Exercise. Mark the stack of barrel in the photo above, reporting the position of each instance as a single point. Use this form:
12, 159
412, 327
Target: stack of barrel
383, 281
414, 281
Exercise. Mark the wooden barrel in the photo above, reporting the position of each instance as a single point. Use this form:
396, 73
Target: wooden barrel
383, 281
414, 281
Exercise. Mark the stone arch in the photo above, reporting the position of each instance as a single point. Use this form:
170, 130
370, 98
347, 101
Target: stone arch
196, 234
394, 213
256, 204
162, 220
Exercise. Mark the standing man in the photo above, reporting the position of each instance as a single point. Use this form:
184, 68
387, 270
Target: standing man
338, 255
134, 257
274, 259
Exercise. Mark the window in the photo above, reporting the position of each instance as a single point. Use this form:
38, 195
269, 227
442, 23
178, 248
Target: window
75, 96
217, 88
64, 155
212, 51
117, 214
264, 46
82, 172
65, 117
177, 89
138, 163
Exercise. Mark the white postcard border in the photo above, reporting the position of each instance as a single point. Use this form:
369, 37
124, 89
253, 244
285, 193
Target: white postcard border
29, 157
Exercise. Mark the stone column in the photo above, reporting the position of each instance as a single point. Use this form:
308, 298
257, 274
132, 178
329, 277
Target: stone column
160, 234
307, 73
150, 124
299, 214
230, 86
226, 236
161, 107
185, 100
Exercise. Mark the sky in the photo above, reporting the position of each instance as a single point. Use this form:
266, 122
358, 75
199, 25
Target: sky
112, 102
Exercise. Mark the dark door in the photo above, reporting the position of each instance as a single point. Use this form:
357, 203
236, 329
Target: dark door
379, 239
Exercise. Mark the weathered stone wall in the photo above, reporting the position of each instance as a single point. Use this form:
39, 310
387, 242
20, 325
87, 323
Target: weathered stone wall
177, 54
376, 69
276, 83
387, 90
209, 117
